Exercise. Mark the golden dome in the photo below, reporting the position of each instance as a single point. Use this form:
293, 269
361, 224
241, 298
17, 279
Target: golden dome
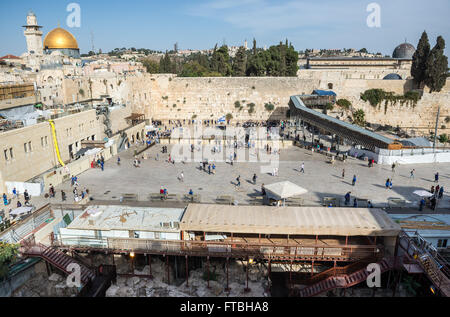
59, 39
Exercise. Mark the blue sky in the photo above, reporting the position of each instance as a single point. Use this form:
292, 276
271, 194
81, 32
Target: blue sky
203, 23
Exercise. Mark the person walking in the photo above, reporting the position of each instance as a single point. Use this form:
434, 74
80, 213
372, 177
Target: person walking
441, 192
214, 169
254, 179
347, 198
102, 165
118, 161
302, 169
26, 196
182, 177
411, 174
387, 183
238, 180
63, 195
52, 191
355, 203
436, 177
436, 191
14, 193
343, 172
421, 204
390, 184
209, 169
393, 167
354, 180
432, 190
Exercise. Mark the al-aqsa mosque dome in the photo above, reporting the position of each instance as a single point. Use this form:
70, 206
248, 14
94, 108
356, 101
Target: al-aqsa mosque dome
62, 41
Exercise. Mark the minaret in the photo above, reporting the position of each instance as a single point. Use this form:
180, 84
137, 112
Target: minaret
33, 35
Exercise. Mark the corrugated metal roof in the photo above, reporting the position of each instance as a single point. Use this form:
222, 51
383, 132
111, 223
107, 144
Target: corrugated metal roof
288, 220
298, 103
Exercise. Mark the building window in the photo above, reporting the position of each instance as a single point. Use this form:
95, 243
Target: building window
11, 154
27, 147
442, 243
6, 155
330, 86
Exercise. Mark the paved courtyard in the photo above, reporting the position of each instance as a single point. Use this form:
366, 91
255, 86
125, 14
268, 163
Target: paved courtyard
320, 178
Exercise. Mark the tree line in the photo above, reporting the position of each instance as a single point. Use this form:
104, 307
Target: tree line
278, 61
430, 66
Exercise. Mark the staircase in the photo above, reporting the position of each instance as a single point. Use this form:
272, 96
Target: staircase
435, 267
342, 280
57, 258
434, 273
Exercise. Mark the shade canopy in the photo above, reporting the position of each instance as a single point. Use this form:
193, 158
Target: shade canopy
20, 211
283, 190
423, 193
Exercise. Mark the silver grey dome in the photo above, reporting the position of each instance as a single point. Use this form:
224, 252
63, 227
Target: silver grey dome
404, 51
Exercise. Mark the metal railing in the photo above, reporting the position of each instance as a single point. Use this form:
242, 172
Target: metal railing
221, 249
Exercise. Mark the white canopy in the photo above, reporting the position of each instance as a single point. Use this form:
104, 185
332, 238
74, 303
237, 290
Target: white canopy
283, 190
423, 193
20, 211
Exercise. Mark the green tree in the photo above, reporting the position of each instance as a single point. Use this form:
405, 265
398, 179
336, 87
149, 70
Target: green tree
443, 138
436, 67
166, 65
420, 58
363, 50
359, 117
151, 66
8, 253
240, 63
221, 62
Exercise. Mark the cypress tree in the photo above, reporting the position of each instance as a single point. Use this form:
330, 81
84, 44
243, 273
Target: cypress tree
436, 67
240, 63
420, 59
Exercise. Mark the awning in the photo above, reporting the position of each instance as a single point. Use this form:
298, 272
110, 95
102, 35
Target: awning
288, 220
283, 190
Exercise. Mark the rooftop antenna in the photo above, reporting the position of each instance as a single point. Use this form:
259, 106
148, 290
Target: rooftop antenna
92, 41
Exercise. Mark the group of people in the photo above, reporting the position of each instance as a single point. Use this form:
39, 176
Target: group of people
208, 167
164, 193
100, 162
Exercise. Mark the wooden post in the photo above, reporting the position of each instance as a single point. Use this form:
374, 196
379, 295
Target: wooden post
290, 276
168, 273
150, 264
312, 268
346, 240
334, 266
246, 288
207, 269
227, 289
187, 272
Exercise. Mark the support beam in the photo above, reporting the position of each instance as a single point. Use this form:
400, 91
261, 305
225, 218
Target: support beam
246, 288
187, 272
168, 272
227, 289
207, 269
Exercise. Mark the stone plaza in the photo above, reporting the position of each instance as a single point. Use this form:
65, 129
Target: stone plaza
321, 179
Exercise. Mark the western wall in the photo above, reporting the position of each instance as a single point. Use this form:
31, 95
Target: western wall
168, 97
